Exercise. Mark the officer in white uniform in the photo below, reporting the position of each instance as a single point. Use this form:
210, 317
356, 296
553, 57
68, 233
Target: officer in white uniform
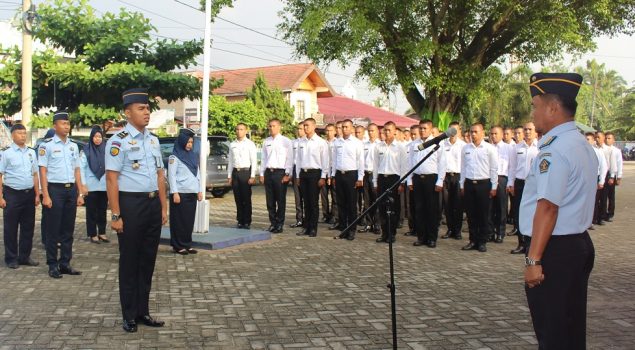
556, 210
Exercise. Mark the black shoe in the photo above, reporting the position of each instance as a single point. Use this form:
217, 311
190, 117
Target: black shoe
246, 226
458, 237
67, 270
297, 224
94, 240
447, 235
192, 251
240, 226
482, 248
418, 243
150, 322
103, 238
129, 326
381, 239
350, 237
336, 227
432, 244
609, 220
271, 228
12, 265
29, 262
601, 223
180, 251
499, 239
392, 240
302, 233
513, 232
469, 246
277, 229
330, 221
409, 233
364, 229
55, 273
343, 235
518, 250
312, 233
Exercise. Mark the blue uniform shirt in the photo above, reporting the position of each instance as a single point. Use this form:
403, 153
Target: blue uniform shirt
88, 178
17, 165
565, 174
60, 159
180, 177
136, 156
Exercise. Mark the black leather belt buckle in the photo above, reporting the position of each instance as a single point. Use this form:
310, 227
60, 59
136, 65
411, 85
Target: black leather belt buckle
68, 185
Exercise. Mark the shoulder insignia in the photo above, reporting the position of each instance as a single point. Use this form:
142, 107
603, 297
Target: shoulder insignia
114, 151
122, 134
47, 140
544, 166
171, 160
42, 151
546, 154
548, 142
4, 149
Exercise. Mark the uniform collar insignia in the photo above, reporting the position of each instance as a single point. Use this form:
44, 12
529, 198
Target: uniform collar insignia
548, 141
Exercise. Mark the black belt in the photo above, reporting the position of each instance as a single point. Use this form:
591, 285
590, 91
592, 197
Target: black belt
452, 174
505, 176
242, 169
149, 195
14, 190
521, 180
344, 172
273, 170
388, 175
67, 186
423, 176
366, 172
307, 170
559, 237
477, 181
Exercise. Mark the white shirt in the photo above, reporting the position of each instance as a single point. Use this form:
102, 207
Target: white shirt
616, 162
451, 159
520, 162
347, 155
389, 160
313, 153
565, 174
505, 151
277, 153
242, 154
331, 148
610, 159
479, 163
603, 168
429, 166
369, 154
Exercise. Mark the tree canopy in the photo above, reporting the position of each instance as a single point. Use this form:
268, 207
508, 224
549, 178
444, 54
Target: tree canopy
438, 51
104, 55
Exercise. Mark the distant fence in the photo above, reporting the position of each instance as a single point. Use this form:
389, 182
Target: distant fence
628, 149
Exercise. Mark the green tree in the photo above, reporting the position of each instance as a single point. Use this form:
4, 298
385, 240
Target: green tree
600, 96
112, 53
623, 121
224, 115
273, 103
438, 51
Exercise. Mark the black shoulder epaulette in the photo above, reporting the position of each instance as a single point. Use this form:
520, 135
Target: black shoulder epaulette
4, 149
153, 134
47, 140
122, 134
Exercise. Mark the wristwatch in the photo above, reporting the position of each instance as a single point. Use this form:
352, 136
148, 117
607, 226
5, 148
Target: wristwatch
114, 217
531, 262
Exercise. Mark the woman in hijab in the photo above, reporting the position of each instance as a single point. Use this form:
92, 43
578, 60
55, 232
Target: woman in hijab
92, 169
184, 181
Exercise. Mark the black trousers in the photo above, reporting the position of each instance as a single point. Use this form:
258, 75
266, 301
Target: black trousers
519, 187
604, 198
477, 203
299, 199
310, 191
43, 225
60, 224
242, 195
389, 204
427, 207
412, 221
498, 208
370, 196
182, 218
18, 214
453, 203
276, 196
558, 304
610, 196
138, 244
329, 202
96, 206
347, 197
597, 210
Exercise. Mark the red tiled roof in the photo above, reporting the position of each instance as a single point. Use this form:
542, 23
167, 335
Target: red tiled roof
339, 108
284, 77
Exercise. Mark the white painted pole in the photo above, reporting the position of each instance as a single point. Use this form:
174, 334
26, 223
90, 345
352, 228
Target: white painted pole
203, 211
27, 69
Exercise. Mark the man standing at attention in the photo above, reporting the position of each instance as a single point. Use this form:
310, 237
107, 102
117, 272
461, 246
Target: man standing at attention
556, 210
241, 174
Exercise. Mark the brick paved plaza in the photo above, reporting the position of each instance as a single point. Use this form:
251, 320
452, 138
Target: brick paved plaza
314, 293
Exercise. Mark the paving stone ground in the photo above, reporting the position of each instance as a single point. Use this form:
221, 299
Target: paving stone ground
314, 293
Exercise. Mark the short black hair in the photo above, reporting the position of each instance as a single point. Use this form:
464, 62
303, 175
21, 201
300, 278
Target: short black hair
569, 106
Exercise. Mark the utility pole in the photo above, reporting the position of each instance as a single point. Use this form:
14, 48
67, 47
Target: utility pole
27, 66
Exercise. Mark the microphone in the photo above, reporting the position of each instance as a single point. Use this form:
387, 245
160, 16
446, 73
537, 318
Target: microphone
435, 141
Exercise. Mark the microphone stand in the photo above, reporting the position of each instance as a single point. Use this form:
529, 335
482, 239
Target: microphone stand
353, 225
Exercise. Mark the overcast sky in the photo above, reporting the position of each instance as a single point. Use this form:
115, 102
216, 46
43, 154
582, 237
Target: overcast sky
175, 20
